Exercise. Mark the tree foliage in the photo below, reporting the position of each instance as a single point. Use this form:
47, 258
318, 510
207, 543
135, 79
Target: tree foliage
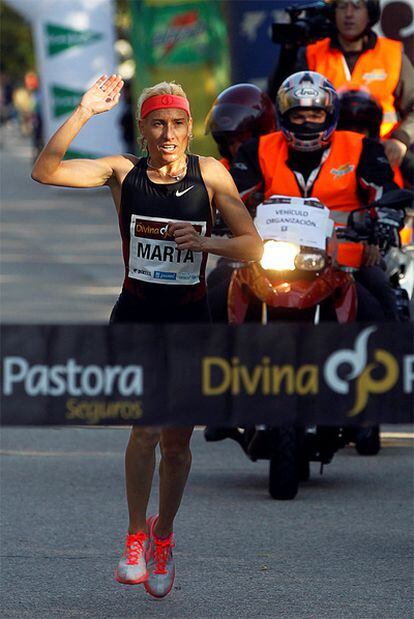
16, 44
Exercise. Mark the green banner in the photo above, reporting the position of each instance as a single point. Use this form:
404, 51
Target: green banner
180, 34
59, 39
63, 100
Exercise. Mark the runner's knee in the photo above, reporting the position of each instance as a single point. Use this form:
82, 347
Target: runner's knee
177, 453
144, 438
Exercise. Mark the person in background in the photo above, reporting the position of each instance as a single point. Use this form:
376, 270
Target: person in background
359, 111
356, 56
7, 111
127, 121
23, 104
239, 113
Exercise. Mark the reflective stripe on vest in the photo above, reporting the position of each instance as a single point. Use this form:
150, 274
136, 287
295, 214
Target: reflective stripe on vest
336, 184
377, 69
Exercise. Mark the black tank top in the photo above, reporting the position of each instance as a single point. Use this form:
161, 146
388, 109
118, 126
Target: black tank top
154, 268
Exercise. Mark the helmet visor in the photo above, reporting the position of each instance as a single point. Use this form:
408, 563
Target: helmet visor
231, 117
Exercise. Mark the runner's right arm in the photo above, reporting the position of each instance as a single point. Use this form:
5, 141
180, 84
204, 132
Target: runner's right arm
50, 168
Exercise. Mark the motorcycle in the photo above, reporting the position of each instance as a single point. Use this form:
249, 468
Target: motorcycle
297, 278
381, 224
310, 278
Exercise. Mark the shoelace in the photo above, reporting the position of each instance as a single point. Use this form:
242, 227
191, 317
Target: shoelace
135, 547
162, 549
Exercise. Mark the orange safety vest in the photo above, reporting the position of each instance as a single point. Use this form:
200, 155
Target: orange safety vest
377, 69
398, 177
336, 184
225, 162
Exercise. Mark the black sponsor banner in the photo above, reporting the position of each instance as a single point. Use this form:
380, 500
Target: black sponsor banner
207, 374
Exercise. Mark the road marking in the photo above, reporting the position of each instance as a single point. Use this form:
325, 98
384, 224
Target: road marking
390, 439
57, 454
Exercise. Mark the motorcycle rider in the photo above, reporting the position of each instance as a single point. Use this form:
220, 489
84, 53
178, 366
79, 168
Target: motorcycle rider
239, 113
355, 55
308, 157
359, 111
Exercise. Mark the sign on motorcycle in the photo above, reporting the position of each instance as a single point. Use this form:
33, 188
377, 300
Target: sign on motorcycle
302, 221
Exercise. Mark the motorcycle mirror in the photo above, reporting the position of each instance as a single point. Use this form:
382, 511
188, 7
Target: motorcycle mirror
351, 217
397, 199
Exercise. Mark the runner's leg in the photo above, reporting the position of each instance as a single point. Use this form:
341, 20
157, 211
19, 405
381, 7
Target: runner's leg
139, 471
174, 469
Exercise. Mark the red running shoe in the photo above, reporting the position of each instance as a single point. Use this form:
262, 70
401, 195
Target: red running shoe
160, 562
132, 566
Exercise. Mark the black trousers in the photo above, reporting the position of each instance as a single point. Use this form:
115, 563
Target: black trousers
376, 300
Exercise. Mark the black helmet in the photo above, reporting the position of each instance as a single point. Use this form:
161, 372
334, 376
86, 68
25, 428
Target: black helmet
240, 109
373, 8
359, 111
307, 90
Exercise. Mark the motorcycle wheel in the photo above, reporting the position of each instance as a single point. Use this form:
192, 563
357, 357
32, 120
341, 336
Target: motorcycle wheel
283, 469
367, 441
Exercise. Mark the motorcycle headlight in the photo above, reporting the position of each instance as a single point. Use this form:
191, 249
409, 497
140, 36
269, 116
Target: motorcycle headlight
279, 256
310, 262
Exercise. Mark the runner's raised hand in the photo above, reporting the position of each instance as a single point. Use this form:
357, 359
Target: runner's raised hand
103, 95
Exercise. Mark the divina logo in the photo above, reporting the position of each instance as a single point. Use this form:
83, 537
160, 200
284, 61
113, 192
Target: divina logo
59, 38
345, 371
362, 371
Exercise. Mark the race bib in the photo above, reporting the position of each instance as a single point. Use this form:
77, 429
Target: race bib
304, 221
157, 260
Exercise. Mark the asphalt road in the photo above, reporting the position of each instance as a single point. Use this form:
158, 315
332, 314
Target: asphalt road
61, 255
341, 549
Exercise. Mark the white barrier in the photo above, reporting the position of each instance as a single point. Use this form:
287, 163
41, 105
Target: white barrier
74, 44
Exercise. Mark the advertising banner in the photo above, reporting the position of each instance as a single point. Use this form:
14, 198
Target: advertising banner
186, 42
199, 374
74, 45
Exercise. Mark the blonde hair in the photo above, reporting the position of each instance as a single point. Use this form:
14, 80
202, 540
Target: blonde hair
163, 88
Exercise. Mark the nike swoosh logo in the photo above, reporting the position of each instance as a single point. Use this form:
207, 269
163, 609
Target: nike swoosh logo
181, 193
